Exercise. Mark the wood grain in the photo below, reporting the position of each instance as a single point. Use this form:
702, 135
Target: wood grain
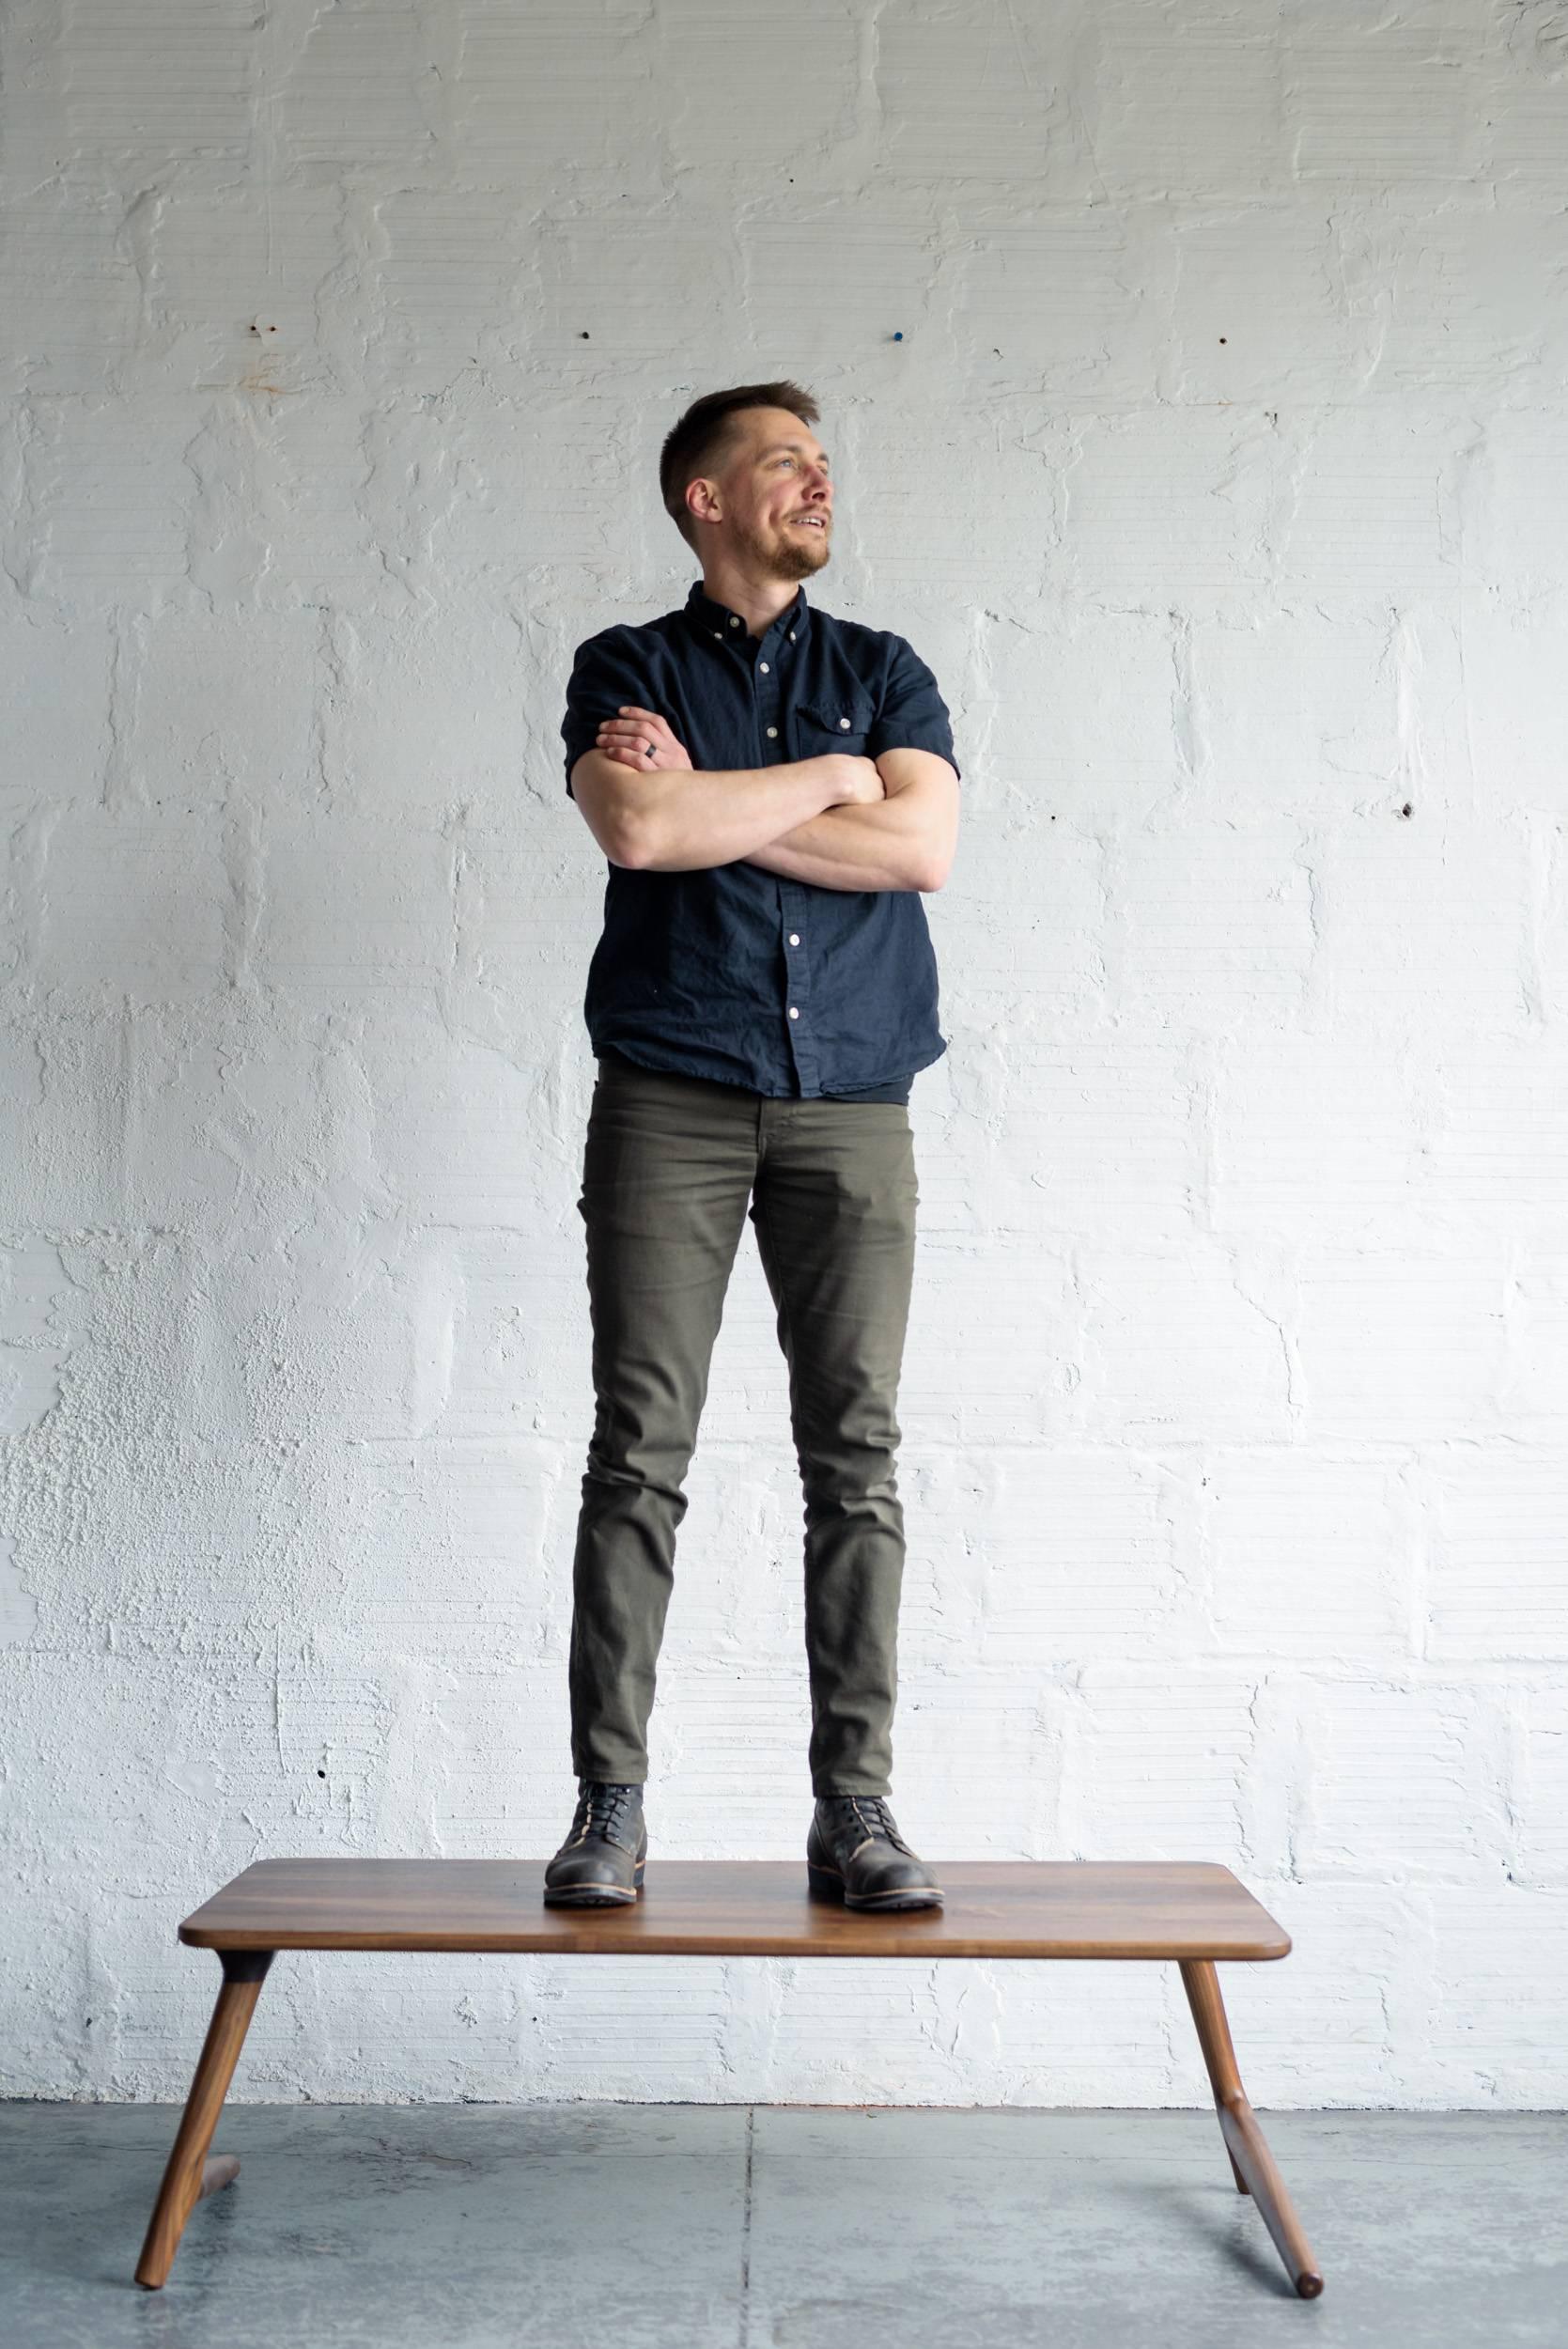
1177, 1909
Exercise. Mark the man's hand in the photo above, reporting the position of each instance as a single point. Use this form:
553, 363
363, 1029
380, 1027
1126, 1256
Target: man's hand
862, 784
641, 738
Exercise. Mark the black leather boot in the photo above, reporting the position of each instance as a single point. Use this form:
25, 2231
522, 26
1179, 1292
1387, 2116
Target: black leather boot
855, 1854
600, 1863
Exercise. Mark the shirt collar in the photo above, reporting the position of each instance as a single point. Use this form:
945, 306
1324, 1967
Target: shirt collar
705, 613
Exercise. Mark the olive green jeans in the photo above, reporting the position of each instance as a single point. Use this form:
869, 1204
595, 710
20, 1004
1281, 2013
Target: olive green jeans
670, 1165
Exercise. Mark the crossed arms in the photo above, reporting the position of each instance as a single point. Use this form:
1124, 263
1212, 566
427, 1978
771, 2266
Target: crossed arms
817, 819
903, 840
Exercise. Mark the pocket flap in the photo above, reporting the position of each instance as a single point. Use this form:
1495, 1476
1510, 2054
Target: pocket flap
848, 714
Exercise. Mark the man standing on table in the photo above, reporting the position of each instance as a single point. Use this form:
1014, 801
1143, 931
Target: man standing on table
773, 789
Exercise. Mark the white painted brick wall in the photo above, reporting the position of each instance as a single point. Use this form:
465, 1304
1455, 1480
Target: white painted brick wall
1222, 472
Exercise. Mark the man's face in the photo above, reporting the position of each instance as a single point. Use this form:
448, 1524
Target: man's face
778, 496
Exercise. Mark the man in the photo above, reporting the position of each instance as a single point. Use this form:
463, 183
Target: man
773, 789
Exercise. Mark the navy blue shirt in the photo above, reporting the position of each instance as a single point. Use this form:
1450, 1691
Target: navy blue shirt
728, 972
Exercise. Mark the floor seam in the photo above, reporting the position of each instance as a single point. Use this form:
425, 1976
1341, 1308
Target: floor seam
742, 2337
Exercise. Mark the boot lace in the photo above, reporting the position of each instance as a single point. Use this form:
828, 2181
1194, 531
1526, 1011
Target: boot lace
871, 1813
603, 1809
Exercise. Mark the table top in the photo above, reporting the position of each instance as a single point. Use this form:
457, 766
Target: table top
1172, 1908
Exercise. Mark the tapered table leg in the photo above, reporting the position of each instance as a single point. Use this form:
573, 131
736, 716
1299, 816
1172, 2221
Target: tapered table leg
191, 2173
1252, 2162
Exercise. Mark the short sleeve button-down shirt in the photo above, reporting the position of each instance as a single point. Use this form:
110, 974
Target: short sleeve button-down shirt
730, 972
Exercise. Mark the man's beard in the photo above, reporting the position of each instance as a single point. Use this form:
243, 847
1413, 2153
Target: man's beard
792, 555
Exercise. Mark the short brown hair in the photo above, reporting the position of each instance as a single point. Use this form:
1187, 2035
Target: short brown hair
703, 439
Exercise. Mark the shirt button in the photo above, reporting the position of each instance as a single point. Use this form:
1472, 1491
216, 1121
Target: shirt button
719, 634
734, 622
845, 724
763, 667
792, 636
793, 1013
794, 937
772, 730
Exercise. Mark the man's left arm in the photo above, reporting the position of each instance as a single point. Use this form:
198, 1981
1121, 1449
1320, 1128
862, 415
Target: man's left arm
906, 839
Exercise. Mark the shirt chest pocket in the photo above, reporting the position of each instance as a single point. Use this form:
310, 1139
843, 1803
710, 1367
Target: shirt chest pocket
834, 722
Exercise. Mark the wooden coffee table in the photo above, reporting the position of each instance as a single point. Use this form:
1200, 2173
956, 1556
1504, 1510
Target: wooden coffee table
1194, 1912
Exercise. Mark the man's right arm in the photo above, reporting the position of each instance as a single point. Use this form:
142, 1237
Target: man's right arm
676, 818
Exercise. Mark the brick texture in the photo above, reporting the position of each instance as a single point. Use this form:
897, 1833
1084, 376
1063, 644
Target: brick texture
1194, 383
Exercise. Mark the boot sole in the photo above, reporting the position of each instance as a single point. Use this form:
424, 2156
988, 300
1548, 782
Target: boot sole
827, 1885
594, 1895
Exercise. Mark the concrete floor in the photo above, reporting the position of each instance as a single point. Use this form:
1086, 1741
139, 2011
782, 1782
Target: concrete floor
781, 2227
